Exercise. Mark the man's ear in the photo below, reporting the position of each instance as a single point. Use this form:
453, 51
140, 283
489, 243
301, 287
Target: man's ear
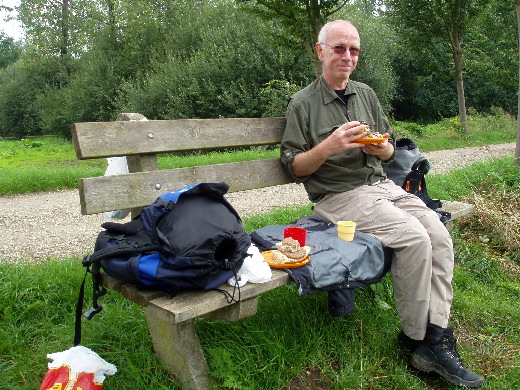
319, 50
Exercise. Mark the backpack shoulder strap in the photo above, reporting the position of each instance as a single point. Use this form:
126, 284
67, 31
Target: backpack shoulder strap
421, 165
122, 249
137, 241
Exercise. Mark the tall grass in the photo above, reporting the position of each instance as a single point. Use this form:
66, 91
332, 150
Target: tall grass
292, 343
499, 127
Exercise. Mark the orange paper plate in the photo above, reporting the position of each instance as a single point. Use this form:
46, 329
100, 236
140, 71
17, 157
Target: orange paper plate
292, 264
370, 140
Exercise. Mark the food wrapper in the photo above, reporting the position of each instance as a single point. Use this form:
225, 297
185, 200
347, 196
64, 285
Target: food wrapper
76, 368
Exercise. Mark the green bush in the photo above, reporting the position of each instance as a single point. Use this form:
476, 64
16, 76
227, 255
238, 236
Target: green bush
222, 76
22, 84
275, 95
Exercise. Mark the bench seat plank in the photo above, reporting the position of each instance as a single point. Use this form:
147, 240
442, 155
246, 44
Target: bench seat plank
457, 209
194, 304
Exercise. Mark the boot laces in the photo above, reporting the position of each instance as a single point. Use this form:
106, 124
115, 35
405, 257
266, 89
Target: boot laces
449, 345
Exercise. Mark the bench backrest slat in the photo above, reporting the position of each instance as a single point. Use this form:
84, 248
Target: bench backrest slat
125, 138
106, 193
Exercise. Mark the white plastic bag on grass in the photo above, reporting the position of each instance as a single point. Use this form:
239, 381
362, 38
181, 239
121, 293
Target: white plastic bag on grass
254, 269
76, 368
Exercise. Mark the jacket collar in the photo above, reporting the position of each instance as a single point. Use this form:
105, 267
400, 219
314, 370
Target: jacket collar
329, 95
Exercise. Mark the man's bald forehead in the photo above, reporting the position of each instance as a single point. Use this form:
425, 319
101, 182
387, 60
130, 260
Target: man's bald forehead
335, 25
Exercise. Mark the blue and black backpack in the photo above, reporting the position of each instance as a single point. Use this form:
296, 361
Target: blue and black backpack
191, 238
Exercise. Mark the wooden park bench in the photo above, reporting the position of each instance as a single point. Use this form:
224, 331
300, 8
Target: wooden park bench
171, 321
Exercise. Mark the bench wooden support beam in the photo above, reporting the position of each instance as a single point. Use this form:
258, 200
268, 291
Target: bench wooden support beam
178, 348
171, 321
177, 345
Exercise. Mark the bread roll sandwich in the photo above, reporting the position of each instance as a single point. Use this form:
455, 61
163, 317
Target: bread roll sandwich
289, 251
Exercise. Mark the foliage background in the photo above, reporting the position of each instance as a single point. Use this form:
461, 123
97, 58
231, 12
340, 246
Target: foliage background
203, 59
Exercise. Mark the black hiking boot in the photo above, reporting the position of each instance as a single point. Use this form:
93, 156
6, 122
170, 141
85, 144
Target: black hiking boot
438, 354
407, 343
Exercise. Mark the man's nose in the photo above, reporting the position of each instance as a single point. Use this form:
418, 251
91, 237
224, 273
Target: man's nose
347, 55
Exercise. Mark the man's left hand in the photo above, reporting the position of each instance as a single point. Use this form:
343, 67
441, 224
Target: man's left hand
383, 150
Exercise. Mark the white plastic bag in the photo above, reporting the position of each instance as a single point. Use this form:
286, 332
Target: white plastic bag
117, 166
76, 368
254, 269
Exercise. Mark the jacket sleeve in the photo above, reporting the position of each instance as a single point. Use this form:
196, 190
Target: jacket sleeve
295, 139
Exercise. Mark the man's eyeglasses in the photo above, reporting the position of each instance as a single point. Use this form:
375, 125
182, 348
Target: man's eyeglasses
340, 50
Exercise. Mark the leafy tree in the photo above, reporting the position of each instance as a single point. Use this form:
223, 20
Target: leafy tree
491, 58
10, 50
375, 63
133, 34
217, 67
435, 24
22, 84
301, 20
59, 27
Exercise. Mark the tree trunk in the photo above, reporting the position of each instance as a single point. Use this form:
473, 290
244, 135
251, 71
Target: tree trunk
517, 154
315, 18
112, 22
316, 63
457, 56
64, 50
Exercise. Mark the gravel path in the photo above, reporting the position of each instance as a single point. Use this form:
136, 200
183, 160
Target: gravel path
50, 224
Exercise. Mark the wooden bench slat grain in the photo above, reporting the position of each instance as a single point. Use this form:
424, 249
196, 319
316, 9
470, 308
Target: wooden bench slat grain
124, 138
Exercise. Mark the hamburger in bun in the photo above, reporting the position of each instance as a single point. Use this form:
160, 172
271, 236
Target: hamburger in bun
371, 134
289, 251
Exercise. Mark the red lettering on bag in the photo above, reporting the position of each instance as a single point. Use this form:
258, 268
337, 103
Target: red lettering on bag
56, 378
59, 378
85, 381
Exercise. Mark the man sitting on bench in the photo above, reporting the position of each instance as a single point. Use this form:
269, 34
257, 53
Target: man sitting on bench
345, 180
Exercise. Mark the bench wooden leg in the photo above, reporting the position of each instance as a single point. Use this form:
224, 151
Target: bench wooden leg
178, 348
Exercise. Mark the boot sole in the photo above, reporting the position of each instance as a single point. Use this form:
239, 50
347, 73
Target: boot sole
427, 366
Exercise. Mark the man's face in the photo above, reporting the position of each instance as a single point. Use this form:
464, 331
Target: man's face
338, 66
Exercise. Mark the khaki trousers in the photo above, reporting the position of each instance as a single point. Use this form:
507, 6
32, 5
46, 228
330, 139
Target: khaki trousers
422, 267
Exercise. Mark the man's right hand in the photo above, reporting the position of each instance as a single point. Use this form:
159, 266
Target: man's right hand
343, 138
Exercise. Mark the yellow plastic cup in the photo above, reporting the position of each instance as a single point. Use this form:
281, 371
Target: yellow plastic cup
346, 230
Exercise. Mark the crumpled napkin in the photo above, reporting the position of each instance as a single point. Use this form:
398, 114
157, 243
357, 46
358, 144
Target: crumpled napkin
254, 269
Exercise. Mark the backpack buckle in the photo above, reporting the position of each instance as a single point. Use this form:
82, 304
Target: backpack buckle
93, 311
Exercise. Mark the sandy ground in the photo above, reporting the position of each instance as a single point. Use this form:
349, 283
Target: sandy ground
41, 225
